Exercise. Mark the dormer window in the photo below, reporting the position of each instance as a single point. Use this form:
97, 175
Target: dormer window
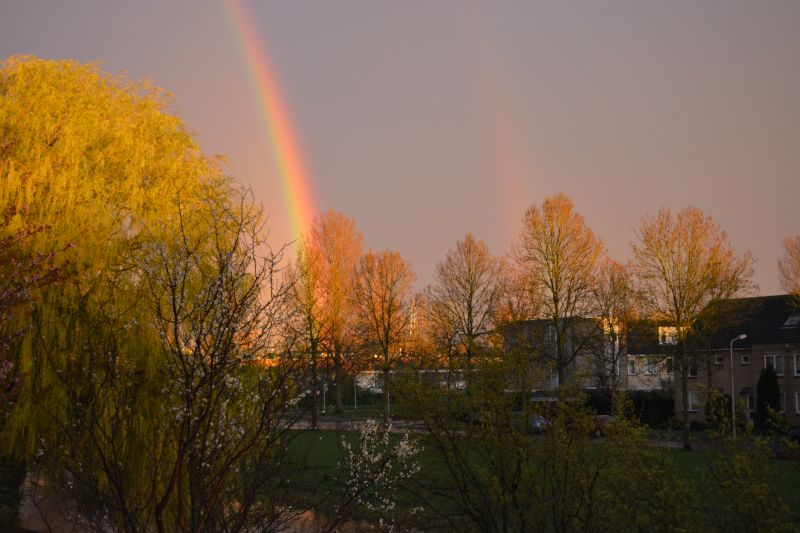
667, 335
792, 321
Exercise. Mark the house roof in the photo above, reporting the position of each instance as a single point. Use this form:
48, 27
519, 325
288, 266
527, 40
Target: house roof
643, 338
764, 319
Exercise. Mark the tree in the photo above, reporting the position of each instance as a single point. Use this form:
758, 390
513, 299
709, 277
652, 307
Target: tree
616, 309
327, 258
340, 246
495, 475
308, 291
684, 264
216, 461
558, 256
383, 292
21, 274
789, 266
768, 396
467, 291
740, 490
90, 159
144, 398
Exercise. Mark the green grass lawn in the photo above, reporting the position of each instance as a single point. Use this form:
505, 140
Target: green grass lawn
785, 473
324, 454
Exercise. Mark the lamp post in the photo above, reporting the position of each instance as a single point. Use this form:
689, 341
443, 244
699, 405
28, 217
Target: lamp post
733, 389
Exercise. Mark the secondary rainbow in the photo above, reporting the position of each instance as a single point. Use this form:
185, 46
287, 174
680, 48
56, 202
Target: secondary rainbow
283, 141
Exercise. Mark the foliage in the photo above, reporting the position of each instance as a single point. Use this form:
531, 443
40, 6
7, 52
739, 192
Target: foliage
789, 266
383, 295
558, 255
495, 474
718, 414
467, 291
194, 441
739, 492
684, 263
145, 396
616, 310
327, 258
89, 159
308, 293
373, 470
767, 396
652, 408
21, 273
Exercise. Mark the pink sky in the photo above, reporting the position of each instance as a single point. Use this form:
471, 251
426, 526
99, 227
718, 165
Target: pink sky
425, 120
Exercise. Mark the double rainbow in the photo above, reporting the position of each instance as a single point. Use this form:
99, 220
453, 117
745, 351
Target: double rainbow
283, 141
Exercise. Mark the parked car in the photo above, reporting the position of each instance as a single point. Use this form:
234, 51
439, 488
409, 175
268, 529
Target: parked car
602, 424
539, 424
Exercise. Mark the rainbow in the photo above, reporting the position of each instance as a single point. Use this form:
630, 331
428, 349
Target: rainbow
283, 141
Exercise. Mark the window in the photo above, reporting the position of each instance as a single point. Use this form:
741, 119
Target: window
783, 402
631, 367
667, 335
745, 359
718, 360
797, 402
650, 366
775, 361
751, 402
692, 401
797, 364
692, 373
551, 334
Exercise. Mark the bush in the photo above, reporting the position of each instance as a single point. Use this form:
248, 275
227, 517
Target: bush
767, 396
653, 408
718, 413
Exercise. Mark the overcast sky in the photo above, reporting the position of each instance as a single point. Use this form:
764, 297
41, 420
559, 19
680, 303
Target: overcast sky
426, 120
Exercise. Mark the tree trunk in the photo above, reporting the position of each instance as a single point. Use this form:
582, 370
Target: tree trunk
687, 445
314, 390
338, 373
386, 404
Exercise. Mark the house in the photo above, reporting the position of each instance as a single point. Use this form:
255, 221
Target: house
772, 328
649, 363
585, 352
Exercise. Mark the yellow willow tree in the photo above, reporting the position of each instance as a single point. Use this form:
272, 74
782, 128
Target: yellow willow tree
383, 292
557, 255
684, 264
142, 398
464, 299
789, 266
90, 158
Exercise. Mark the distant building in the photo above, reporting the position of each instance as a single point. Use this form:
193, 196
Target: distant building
772, 326
649, 362
771, 323
535, 341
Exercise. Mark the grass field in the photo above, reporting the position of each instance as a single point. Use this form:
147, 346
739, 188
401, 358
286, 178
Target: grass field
324, 454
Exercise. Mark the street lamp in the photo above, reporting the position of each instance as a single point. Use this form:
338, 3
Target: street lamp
733, 389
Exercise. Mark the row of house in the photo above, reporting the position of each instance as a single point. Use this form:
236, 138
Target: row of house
744, 334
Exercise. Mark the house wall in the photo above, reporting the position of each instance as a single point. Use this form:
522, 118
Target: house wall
651, 372
746, 377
